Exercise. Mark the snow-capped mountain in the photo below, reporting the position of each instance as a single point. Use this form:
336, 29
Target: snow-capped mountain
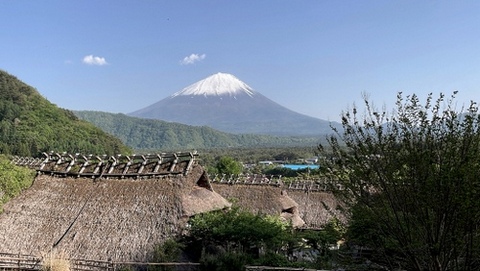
217, 85
225, 103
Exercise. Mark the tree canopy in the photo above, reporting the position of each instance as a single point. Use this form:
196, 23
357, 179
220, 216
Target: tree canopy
410, 181
227, 240
152, 134
231, 239
228, 165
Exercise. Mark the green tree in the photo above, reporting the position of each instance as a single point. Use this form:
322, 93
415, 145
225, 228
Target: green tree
239, 230
227, 240
410, 180
323, 240
13, 180
228, 165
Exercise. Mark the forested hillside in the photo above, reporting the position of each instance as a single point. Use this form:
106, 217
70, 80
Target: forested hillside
30, 124
148, 134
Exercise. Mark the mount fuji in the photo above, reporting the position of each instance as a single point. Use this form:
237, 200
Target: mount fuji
225, 103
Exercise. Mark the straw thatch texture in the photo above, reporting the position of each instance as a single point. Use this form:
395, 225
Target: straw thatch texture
102, 219
316, 208
202, 198
263, 199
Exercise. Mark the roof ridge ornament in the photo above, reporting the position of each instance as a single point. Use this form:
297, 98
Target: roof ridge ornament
120, 166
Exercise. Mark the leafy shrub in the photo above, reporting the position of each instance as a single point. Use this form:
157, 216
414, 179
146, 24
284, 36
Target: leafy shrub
13, 179
410, 181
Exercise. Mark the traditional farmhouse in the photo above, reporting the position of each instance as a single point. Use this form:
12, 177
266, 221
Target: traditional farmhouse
114, 208
119, 208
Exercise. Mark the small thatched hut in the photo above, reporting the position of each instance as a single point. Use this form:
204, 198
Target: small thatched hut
100, 218
265, 199
304, 203
317, 208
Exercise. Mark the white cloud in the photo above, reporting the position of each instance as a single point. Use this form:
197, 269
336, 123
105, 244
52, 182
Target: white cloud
94, 60
191, 59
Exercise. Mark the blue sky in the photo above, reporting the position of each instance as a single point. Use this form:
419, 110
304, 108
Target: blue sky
314, 57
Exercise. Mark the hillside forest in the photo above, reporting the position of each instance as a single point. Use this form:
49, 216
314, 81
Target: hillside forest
150, 135
30, 125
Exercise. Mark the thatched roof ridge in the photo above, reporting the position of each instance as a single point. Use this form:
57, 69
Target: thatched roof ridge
119, 166
314, 184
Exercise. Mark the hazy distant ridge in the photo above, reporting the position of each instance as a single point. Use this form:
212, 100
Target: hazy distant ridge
148, 134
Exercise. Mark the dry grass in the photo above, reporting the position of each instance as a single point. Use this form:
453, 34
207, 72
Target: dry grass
56, 261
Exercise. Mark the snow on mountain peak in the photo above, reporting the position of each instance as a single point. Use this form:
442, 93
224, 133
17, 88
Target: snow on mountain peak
217, 85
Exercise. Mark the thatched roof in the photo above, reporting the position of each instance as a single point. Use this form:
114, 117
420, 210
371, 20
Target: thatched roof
316, 208
102, 218
314, 205
263, 199
120, 207
202, 198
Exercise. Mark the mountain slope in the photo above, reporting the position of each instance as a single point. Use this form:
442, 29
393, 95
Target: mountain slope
225, 103
30, 124
148, 134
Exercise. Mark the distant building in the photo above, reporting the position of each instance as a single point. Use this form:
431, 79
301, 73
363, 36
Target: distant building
312, 160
